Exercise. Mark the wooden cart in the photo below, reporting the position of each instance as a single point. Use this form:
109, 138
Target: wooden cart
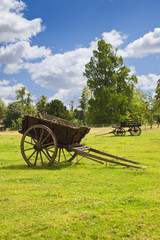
132, 125
48, 139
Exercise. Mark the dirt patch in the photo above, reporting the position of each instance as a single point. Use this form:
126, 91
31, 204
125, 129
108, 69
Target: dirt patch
101, 130
9, 133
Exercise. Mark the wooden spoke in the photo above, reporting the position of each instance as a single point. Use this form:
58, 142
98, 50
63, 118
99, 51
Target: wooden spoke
35, 134
32, 139
36, 158
135, 131
29, 143
66, 155
41, 158
40, 139
47, 155
29, 149
48, 145
31, 155
45, 139
39, 145
48, 150
119, 132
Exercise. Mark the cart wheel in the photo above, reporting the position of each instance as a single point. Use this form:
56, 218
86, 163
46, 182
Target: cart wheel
135, 131
65, 155
119, 132
115, 132
39, 145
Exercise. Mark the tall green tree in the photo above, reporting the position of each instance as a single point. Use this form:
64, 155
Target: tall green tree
157, 103
20, 95
138, 105
2, 109
150, 101
41, 104
57, 109
25, 101
28, 104
13, 113
157, 90
85, 96
110, 83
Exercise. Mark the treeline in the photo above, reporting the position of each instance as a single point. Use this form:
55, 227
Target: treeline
109, 97
12, 114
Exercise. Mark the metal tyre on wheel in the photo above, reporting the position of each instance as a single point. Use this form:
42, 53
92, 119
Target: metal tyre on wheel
135, 131
39, 145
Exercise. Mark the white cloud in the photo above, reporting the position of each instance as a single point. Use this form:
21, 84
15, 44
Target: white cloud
13, 26
8, 93
61, 70
114, 37
4, 82
144, 46
133, 70
15, 34
7, 5
66, 95
148, 82
62, 73
13, 55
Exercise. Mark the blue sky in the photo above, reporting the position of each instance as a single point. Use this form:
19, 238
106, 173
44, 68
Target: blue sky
45, 44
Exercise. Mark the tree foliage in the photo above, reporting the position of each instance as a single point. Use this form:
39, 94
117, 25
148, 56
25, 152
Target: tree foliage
41, 104
2, 109
138, 105
157, 90
85, 96
57, 108
110, 83
25, 101
13, 113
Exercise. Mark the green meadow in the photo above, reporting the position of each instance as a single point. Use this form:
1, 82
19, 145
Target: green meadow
84, 201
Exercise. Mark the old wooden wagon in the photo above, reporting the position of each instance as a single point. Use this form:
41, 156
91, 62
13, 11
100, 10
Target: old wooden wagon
48, 139
133, 127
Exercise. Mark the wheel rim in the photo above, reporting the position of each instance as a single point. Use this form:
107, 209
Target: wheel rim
119, 132
135, 131
65, 155
39, 146
115, 133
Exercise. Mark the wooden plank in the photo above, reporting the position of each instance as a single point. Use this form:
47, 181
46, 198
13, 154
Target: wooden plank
113, 156
95, 157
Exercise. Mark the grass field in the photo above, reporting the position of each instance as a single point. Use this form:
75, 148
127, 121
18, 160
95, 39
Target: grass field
84, 201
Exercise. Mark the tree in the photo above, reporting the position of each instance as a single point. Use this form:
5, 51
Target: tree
71, 105
157, 103
25, 101
138, 105
28, 107
13, 113
56, 108
2, 109
157, 91
17, 124
150, 109
41, 104
86, 94
110, 83
20, 95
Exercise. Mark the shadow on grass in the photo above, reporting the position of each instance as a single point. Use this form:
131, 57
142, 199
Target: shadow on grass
123, 136
54, 166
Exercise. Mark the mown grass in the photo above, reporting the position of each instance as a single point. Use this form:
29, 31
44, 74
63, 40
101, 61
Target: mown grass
84, 201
